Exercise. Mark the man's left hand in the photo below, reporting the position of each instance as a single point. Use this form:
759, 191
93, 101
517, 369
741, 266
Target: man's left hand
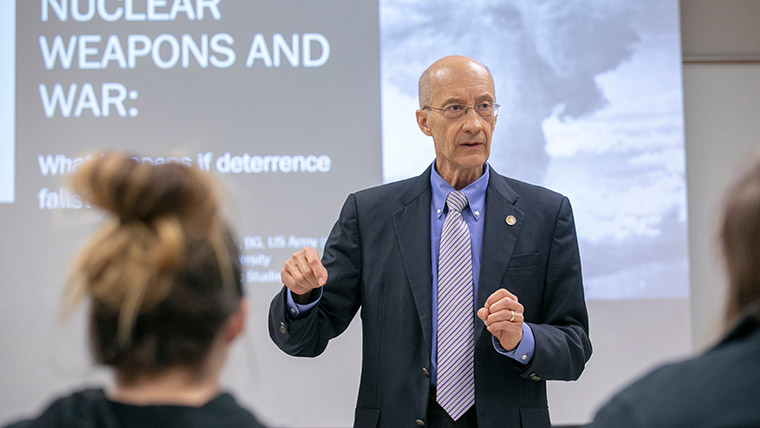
502, 315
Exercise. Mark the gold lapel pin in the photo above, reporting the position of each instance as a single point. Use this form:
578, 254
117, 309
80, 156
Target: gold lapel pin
510, 220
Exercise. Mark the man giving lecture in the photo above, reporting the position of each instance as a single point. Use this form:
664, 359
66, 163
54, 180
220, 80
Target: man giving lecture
469, 282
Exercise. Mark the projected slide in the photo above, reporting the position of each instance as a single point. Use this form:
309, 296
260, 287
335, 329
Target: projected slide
591, 107
218, 85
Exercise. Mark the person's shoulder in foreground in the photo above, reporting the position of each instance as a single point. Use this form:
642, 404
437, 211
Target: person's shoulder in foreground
717, 389
91, 408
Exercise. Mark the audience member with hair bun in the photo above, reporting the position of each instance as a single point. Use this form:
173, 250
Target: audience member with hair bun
162, 279
720, 388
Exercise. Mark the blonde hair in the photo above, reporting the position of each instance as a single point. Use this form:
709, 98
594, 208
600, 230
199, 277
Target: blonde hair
740, 242
163, 272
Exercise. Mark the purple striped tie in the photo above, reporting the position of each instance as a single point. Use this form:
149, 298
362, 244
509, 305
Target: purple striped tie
455, 391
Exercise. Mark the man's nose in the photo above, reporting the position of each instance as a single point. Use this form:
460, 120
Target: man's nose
472, 121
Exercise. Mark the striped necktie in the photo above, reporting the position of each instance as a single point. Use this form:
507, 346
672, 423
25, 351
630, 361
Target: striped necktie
455, 390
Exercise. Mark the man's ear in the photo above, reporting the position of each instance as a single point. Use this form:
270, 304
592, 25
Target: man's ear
422, 122
236, 323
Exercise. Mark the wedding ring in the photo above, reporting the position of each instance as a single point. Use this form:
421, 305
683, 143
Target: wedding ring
513, 316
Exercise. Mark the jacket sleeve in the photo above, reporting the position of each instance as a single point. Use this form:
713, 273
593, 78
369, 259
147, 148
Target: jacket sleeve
562, 341
309, 334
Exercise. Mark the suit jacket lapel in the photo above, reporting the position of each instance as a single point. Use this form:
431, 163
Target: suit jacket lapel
499, 239
412, 227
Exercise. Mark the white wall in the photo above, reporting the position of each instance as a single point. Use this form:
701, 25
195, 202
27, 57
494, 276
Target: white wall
721, 49
722, 129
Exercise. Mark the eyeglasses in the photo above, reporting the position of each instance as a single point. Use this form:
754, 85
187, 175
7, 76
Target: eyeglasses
485, 109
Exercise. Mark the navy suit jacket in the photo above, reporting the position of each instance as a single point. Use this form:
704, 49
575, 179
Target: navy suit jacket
378, 259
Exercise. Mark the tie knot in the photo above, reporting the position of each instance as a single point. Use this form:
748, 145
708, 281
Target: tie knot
456, 201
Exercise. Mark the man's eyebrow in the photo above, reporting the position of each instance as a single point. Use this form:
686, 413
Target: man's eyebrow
452, 100
457, 100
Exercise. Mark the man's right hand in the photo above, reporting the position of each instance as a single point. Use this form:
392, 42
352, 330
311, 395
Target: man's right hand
303, 273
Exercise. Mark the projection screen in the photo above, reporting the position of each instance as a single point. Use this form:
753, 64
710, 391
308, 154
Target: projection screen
292, 105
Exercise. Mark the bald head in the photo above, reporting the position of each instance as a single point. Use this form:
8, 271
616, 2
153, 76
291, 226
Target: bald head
443, 68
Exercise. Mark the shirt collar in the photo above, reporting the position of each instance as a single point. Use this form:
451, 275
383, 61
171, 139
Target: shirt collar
475, 192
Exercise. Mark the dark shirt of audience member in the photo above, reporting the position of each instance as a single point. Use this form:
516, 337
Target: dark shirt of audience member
720, 388
162, 279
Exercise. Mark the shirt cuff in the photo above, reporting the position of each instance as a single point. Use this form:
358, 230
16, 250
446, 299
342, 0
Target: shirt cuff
523, 354
295, 310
